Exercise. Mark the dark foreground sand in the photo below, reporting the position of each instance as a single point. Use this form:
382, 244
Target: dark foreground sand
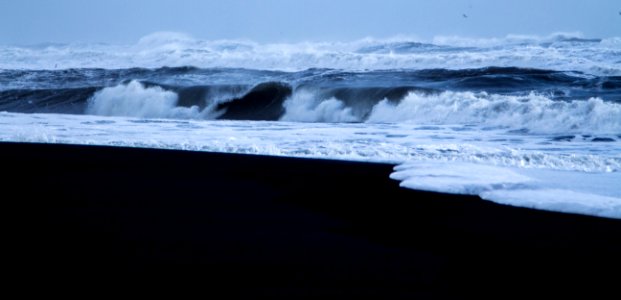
107, 218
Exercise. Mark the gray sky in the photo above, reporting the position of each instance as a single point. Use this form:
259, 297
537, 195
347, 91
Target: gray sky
125, 21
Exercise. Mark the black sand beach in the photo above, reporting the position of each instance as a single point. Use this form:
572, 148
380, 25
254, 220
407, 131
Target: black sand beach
108, 217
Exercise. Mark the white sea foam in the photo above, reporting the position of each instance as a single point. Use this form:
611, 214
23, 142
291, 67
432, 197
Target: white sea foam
457, 178
135, 100
395, 143
306, 107
595, 194
535, 113
172, 49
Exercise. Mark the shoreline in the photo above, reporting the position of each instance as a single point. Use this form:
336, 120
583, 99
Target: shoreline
281, 226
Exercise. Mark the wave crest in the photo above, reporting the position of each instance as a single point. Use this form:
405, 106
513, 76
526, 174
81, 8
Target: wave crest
306, 107
136, 100
534, 113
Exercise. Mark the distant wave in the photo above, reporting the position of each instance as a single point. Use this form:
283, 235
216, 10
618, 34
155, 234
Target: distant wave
564, 52
556, 39
504, 80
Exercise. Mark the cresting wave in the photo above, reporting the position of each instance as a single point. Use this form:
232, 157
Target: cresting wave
536, 101
533, 113
558, 51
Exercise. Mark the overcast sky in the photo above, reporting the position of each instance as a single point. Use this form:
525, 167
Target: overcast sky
125, 21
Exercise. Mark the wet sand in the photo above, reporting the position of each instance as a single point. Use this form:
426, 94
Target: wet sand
111, 217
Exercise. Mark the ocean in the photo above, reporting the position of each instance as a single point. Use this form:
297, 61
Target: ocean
521, 120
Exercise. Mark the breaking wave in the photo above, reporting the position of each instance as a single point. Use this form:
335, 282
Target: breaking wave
136, 100
533, 113
276, 101
530, 100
